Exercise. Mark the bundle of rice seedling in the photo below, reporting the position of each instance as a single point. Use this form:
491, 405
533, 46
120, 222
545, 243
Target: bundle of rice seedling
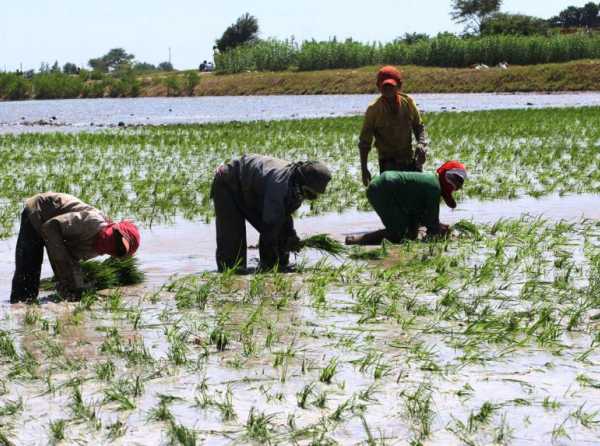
107, 273
323, 243
466, 227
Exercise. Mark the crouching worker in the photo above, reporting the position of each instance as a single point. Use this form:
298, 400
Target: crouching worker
71, 230
265, 191
407, 200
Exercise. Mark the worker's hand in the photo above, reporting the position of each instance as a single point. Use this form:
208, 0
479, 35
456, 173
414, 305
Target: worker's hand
366, 177
420, 157
292, 243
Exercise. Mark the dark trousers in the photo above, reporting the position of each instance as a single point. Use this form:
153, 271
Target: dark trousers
231, 232
231, 228
386, 164
29, 256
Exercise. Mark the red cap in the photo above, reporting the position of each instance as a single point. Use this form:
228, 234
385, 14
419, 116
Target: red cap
389, 75
130, 235
447, 188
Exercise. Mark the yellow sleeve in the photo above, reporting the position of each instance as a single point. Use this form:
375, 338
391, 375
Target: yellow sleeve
415, 116
368, 130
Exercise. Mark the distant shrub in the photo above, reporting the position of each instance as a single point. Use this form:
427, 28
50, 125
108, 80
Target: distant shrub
94, 89
190, 80
55, 85
173, 85
14, 87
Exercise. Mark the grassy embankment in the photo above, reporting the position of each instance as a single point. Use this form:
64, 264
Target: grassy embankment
572, 76
583, 75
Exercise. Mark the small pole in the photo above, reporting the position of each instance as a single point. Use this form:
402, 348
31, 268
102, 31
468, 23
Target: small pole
169, 54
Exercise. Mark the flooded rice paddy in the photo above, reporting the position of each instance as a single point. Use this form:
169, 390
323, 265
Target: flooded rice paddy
488, 337
75, 115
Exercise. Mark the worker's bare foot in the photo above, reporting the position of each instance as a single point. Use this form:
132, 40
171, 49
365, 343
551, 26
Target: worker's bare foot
352, 239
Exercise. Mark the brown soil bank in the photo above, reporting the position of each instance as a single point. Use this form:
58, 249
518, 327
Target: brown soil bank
573, 76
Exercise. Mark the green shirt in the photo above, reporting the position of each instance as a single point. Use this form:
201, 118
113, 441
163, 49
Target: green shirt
405, 199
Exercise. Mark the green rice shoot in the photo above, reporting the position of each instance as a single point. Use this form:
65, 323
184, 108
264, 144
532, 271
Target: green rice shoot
324, 243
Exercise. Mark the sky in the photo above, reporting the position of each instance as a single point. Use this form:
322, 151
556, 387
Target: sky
35, 31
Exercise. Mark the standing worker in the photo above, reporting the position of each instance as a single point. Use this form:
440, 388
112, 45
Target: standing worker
406, 200
71, 230
392, 119
265, 191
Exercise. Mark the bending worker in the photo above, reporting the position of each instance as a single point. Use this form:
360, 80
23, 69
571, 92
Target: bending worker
392, 119
407, 200
71, 230
265, 191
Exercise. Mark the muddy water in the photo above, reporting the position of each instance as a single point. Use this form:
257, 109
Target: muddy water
90, 114
188, 247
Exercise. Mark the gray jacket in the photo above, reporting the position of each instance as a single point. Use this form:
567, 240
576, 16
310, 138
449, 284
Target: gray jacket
263, 187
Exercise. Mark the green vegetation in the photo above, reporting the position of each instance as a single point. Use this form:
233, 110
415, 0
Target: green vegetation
108, 273
467, 339
507, 153
323, 243
443, 51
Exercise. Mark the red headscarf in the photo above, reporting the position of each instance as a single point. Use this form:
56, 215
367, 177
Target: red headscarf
447, 188
390, 75
130, 236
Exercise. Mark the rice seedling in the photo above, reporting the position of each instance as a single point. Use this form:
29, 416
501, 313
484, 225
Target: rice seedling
119, 393
81, 410
178, 349
258, 426
328, 372
11, 408
181, 435
57, 431
108, 273
418, 409
161, 412
116, 430
323, 243
226, 406
359, 253
302, 396
220, 338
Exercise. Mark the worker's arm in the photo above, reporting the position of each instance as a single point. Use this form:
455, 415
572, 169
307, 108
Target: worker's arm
365, 141
420, 135
66, 268
431, 216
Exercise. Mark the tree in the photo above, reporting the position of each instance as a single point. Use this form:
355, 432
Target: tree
244, 30
516, 24
573, 17
411, 38
70, 68
143, 66
589, 15
473, 12
165, 66
115, 59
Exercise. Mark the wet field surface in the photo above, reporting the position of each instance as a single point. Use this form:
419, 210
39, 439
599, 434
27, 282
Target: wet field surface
74, 115
187, 247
